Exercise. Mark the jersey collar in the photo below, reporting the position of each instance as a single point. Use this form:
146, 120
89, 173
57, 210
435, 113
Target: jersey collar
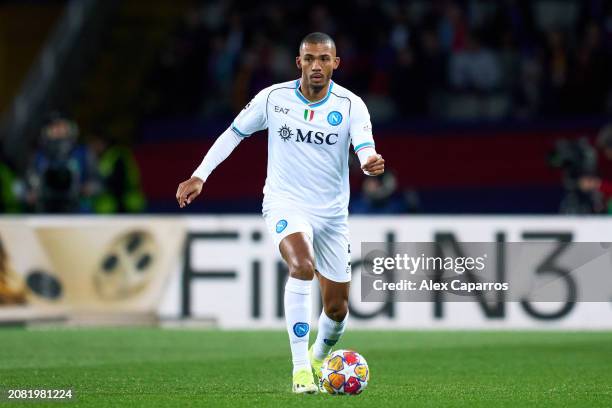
306, 101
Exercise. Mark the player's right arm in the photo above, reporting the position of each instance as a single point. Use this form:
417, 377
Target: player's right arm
251, 119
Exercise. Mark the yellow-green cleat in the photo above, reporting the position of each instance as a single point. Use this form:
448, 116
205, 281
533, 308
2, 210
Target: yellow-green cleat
303, 382
315, 364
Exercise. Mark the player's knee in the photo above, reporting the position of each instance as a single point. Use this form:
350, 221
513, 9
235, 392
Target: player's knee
302, 269
337, 309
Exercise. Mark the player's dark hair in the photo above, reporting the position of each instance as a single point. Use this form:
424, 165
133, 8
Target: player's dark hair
317, 38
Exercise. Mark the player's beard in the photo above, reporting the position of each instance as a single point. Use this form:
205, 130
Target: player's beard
316, 88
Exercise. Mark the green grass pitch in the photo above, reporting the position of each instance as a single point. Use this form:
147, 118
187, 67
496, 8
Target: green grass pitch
192, 368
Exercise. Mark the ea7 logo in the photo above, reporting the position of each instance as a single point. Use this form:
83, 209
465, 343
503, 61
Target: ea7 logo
280, 109
316, 137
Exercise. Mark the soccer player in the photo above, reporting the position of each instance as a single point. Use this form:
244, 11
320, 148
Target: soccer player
311, 123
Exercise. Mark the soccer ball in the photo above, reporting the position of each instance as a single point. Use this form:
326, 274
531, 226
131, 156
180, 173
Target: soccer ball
344, 372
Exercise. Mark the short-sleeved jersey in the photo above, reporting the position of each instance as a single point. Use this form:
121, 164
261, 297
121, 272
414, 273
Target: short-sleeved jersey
308, 145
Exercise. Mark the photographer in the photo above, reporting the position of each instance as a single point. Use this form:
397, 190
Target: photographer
62, 177
120, 190
594, 184
577, 159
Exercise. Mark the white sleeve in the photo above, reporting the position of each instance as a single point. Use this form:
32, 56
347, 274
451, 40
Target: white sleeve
223, 146
253, 117
250, 120
360, 130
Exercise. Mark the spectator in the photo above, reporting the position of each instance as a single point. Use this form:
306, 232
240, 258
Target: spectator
62, 177
589, 83
556, 73
474, 68
120, 190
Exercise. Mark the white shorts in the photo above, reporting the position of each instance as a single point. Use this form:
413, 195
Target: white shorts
329, 238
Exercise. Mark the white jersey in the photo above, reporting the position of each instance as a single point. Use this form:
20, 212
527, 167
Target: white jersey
308, 145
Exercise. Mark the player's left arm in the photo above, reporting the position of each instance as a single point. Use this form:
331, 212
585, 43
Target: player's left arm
360, 130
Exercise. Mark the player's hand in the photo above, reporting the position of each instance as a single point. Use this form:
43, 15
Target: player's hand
188, 190
375, 166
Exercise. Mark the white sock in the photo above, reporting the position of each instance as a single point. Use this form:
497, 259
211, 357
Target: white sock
297, 316
329, 333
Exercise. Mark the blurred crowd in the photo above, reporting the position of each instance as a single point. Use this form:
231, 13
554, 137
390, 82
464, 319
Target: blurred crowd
443, 59
65, 175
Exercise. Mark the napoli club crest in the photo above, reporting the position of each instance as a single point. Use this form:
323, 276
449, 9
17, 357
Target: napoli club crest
334, 118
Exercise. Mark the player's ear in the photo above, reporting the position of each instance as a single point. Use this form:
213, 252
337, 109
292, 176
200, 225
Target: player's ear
298, 62
336, 62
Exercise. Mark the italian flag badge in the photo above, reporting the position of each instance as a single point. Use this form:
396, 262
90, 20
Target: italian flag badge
308, 114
